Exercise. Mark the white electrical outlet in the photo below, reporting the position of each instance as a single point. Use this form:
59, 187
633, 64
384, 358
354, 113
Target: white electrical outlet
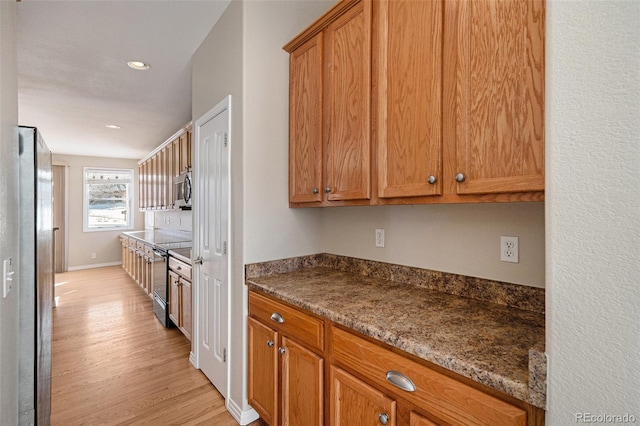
167, 221
379, 237
509, 249
7, 277
93, 255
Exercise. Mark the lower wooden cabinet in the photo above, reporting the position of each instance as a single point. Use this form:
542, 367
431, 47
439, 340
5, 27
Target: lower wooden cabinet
367, 383
355, 403
180, 309
136, 261
445, 399
286, 378
263, 371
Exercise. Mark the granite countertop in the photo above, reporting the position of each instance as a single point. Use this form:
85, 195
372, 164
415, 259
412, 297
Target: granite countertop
183, 254
165, 238
496, 345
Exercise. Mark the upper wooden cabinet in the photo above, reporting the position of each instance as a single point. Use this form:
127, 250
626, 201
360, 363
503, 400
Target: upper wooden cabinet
305, 124
329, 128
408, 63
499, 95
158, 169
184, 161
450, 92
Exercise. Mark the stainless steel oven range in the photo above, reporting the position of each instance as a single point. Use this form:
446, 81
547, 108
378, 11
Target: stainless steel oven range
160, 292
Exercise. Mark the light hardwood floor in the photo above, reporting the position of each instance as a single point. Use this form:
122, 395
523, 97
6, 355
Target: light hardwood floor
114, 363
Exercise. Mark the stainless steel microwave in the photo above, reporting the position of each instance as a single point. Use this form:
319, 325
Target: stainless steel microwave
182, 190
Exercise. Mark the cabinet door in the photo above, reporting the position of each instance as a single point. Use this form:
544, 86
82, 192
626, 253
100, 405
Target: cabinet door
174, 298
347, 110
355, 403
169, 176
416, 419
409, 97
499, 95
185, 151
141, 186
175, 148
263, 371
162, 163
185, 308
302, 385
148, 184
305, 122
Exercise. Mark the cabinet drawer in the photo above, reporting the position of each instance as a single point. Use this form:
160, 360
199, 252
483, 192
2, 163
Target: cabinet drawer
441, 395
180, 268
290, 321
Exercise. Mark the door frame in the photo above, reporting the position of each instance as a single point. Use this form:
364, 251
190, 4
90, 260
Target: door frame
194, 356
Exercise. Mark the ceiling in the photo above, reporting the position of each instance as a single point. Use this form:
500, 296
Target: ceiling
73, 77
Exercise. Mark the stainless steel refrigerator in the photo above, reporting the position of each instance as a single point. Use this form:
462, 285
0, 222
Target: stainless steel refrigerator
36, 278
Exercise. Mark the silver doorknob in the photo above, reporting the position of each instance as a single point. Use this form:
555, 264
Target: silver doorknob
281, 350
315, 190
270, 343
198, 260
460, 177
327, 189
432, 179
383, 418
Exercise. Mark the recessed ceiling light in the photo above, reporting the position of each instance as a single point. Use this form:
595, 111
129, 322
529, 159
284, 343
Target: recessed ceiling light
113, 126
137, 65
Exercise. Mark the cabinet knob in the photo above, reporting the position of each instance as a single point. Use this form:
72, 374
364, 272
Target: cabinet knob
315, 190
277, 318
432, 179
460, 177
197, 260
270, 343
327, 189
383, 418
281, 350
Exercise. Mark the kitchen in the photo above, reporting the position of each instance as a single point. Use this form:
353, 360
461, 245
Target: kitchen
427, 236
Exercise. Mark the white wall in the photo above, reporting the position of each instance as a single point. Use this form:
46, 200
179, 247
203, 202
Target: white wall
272, 229
217, 73
9, 216
457, 238
104, 243
593, 209
242, 56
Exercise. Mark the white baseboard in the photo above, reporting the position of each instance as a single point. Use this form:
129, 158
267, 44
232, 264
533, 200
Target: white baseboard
192, 360
93, 265
242, 417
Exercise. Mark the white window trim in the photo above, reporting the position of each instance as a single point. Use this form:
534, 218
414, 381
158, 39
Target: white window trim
85, 196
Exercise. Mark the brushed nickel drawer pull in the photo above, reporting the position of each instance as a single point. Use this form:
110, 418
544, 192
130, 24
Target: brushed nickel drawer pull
398, 379
277, 318
383, 418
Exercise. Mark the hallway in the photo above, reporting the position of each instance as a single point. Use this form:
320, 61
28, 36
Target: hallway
114, 363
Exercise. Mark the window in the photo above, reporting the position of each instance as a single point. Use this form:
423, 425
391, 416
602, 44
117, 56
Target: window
108, 195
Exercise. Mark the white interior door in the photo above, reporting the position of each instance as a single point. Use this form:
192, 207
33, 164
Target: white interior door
212, 227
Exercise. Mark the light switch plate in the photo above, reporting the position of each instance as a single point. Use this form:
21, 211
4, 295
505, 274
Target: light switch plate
7, 277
